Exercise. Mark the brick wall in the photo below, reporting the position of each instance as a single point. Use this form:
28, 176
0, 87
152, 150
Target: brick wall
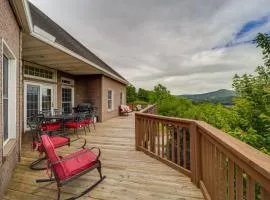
117, 88
88, 90
10, 32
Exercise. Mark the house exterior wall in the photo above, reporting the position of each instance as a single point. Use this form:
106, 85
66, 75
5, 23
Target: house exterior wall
10, 33
88, 90
117, 88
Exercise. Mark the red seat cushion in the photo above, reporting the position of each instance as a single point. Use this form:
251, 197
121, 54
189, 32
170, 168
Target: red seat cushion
82, 160
88, 121
59, 141
72, 124
51, 126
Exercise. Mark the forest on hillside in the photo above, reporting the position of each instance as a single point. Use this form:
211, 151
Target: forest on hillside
249, 117
221, 96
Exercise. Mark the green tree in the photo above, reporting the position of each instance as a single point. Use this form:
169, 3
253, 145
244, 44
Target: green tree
159, 93
253, 103
143, 95
131, 94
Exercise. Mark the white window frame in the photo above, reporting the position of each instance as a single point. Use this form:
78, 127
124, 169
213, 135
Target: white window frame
72, 95
67, 79
12, 91
54, 98
110, 109
54, 79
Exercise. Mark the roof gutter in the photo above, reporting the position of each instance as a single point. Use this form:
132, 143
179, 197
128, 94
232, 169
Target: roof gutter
21, 11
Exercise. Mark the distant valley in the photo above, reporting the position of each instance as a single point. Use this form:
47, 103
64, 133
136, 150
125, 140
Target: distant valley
222, 96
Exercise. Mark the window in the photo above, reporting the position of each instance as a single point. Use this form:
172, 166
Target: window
110, 100
67, 81
38, 72
5, 97
121, 98
67, 99
9, 86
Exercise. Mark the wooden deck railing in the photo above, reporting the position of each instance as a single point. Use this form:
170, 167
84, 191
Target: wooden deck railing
222, 166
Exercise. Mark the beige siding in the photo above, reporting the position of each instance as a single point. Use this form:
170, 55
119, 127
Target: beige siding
117, 88
10, 33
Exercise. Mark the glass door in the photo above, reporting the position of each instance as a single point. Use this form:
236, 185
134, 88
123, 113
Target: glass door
38, 98
46, 99
32, 100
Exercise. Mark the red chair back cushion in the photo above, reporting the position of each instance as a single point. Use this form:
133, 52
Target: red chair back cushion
59, 168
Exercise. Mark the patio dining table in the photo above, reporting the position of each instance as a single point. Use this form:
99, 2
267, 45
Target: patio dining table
63, 118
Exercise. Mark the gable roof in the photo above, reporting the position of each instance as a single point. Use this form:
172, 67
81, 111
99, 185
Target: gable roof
63, 38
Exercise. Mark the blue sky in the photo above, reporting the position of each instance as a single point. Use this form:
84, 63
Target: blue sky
189, 46
251, 26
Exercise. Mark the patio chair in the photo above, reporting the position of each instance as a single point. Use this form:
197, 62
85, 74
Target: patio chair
35, 124
76, 123
88, 120
68, 168
124, 109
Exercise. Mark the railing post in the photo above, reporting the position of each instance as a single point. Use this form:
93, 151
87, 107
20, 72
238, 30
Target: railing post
137, 132
195, 154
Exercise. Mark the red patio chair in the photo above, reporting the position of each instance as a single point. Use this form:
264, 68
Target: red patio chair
88, 120
35, 123
76, 123
69, 168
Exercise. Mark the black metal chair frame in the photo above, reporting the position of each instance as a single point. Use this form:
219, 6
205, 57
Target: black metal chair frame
89, 115
64, 182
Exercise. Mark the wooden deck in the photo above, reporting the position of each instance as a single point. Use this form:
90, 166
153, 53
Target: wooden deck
130, 174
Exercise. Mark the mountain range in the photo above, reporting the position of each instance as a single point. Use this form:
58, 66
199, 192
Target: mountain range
222, 96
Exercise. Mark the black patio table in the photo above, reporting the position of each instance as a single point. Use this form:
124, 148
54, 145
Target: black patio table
62, 118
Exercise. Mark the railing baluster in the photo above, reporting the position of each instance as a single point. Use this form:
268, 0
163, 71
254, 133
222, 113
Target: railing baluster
222, 177
154, 130
178, 147
250, 188
172, 145
155, 135
230, 180
162, 129
239, 183
167, 143
185, 147
158, 138
147, 133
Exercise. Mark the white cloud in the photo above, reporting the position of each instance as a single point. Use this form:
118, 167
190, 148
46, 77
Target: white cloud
168, 42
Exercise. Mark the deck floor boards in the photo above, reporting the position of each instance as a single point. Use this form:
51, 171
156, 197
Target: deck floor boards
130, 174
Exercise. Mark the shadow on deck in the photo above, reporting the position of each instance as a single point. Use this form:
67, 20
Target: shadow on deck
130, 174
